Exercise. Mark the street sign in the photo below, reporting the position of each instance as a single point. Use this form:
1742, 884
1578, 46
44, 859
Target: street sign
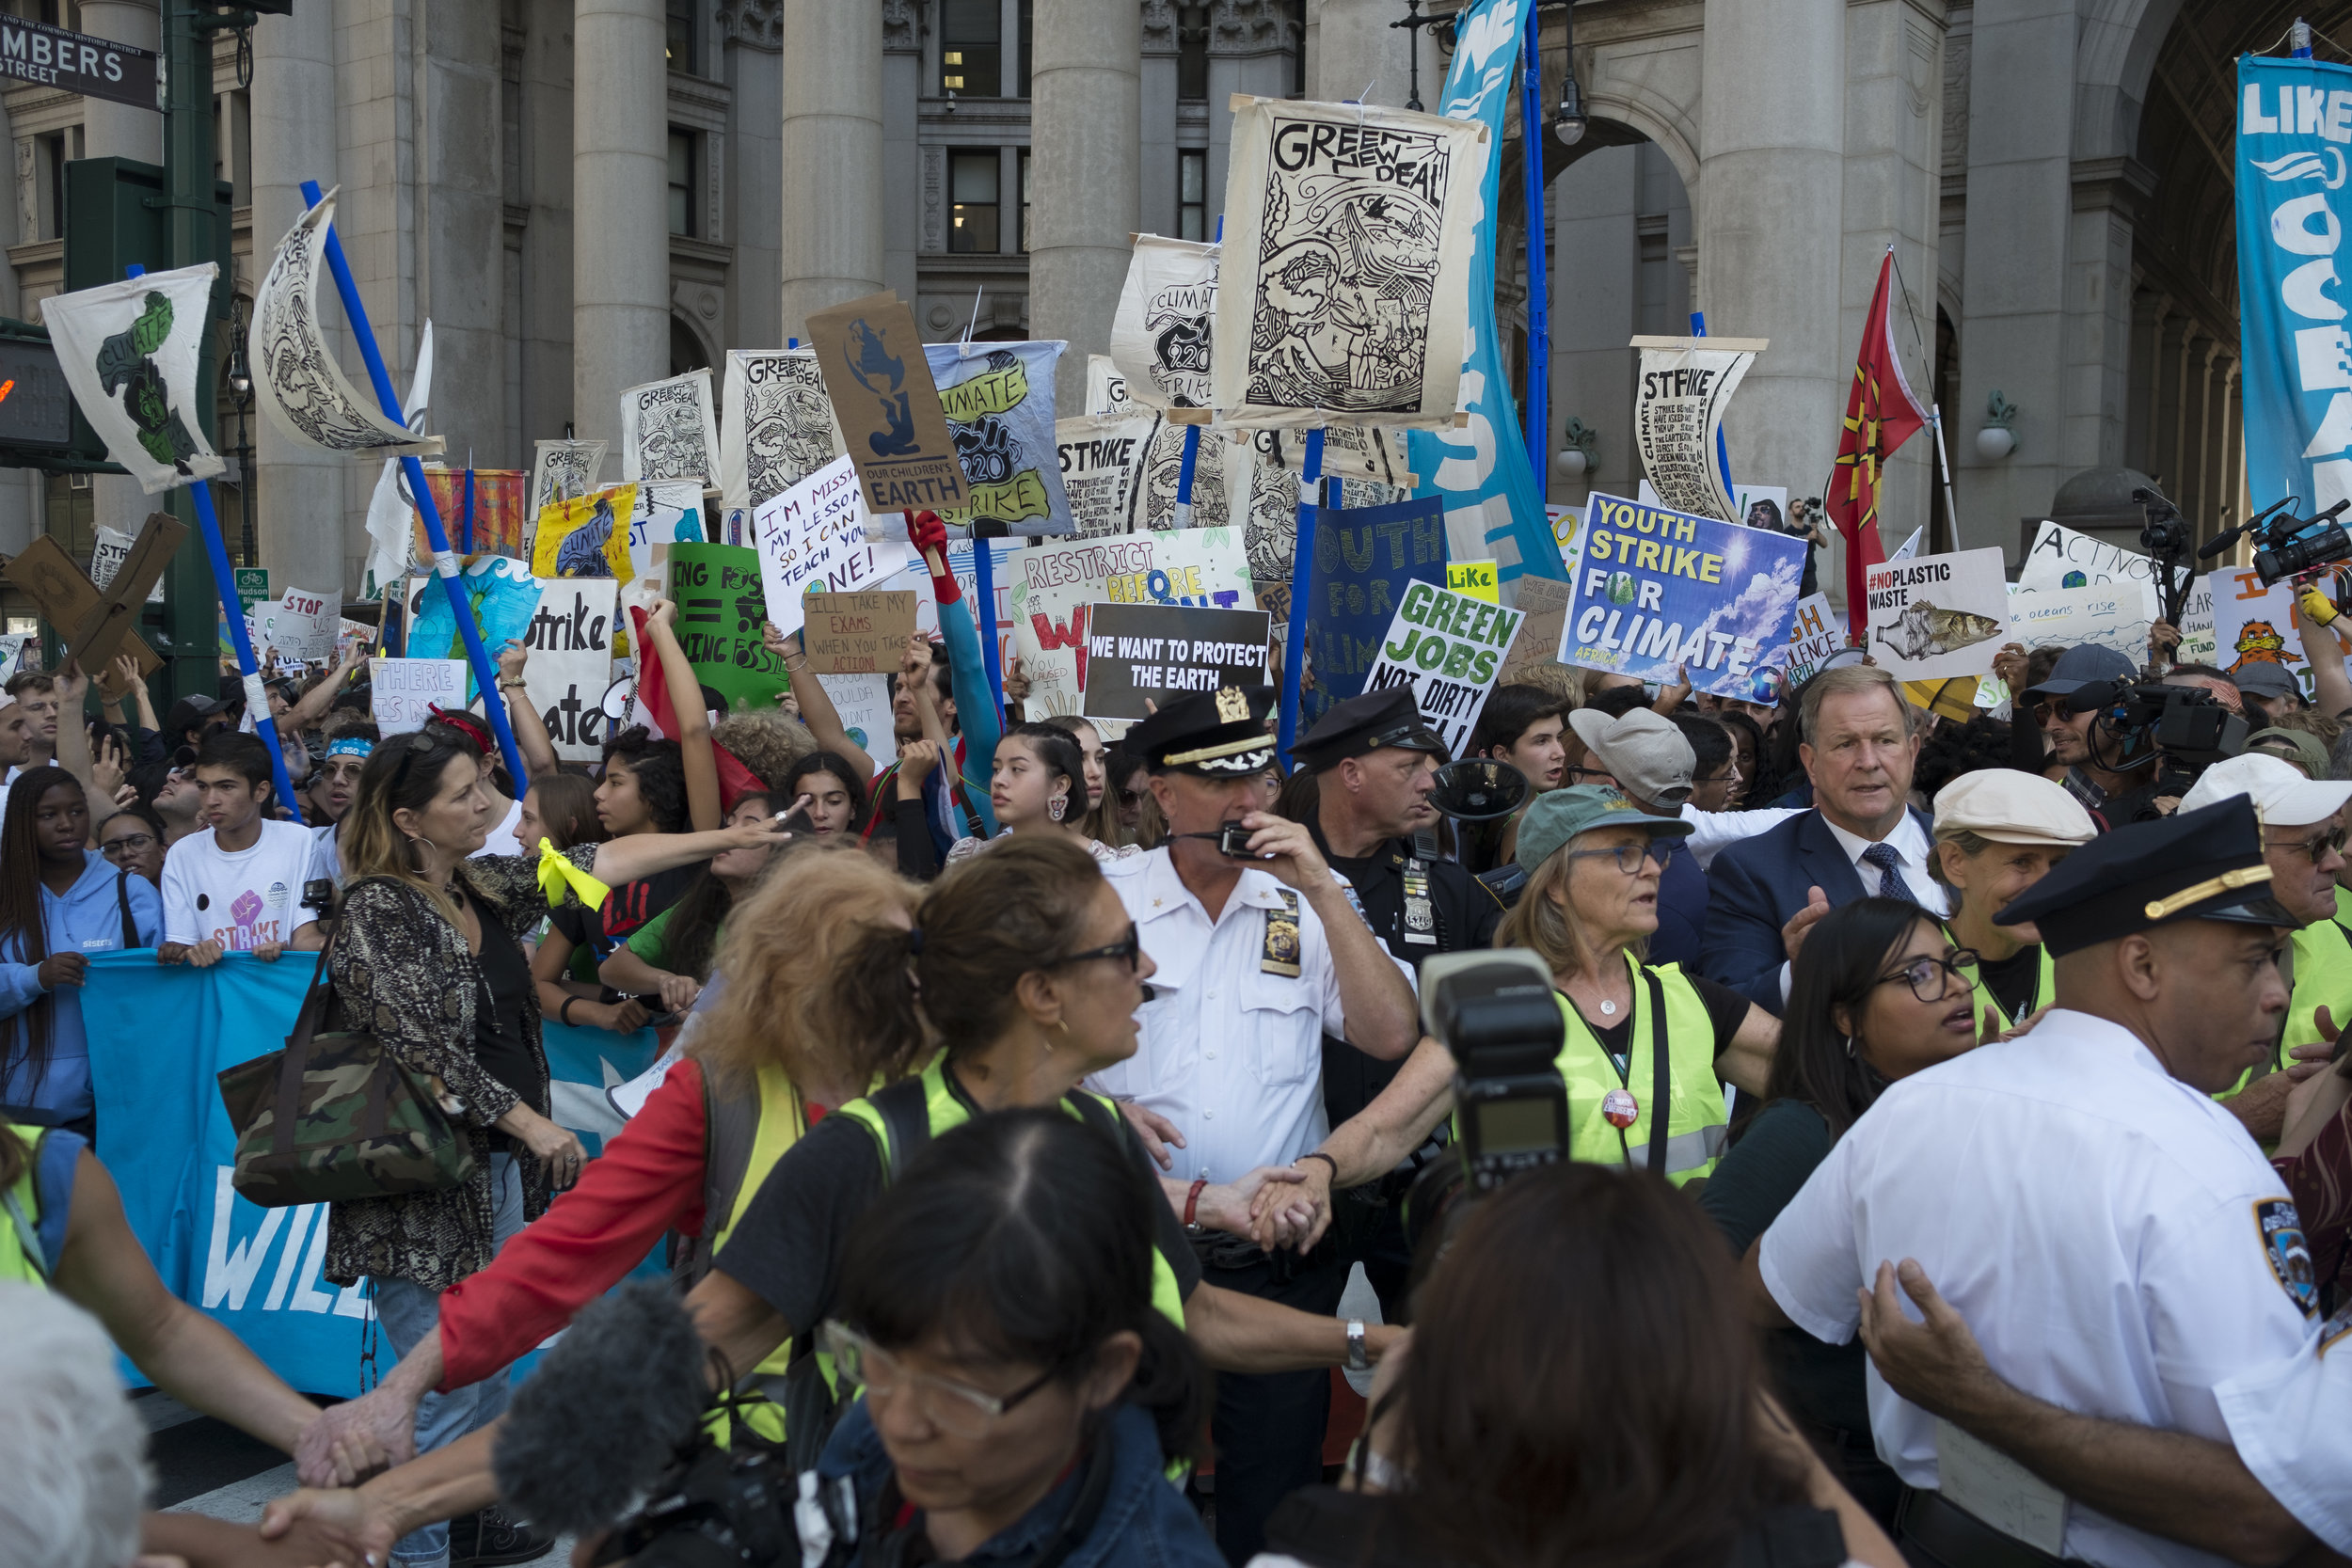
76, 62
252, 585
36, 405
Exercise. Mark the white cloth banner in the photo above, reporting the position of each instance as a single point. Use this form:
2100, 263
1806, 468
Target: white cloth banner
1160, 336
1678, 401
1350, 232
1102, 458
669, 430
391, 537
1107, 390
129, 351
776, 428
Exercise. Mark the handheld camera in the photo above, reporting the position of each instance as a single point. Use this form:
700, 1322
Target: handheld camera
2186, 724
2286, 546
2167, 539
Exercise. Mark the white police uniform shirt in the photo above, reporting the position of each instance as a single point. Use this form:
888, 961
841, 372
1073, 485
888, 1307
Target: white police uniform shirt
2116, 1241
2288, 1421
1230, 1053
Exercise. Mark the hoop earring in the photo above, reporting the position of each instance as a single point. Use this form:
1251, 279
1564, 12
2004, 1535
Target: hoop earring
1063, 1029
1852, 1040
413, 856
1055, 807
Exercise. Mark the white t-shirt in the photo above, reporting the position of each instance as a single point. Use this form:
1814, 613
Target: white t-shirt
325, 855
501, 839
243, 900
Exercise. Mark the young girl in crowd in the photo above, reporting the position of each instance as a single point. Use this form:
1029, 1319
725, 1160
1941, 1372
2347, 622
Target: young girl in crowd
1100, 821
670, 955
829, 789
1039, 787
561, 809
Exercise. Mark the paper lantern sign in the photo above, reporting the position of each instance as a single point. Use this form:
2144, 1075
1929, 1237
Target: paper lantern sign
1163, 652
879, 381
721, 608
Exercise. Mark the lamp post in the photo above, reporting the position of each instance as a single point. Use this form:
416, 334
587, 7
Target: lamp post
240, 380
1412, 23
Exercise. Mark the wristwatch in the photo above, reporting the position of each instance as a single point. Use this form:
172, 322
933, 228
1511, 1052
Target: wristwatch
1356, 1360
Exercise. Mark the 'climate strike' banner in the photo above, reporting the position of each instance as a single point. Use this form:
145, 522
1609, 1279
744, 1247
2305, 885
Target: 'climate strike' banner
1657, 591
168, 1143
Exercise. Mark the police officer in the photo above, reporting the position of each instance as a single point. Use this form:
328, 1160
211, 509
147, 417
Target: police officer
1259, 957
1373, 761
2118, 1242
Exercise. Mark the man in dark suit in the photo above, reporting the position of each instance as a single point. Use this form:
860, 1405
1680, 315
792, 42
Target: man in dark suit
1861, 838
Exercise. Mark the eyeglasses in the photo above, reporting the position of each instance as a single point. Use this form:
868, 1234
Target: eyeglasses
1129, 950
127, 845
1590, 773
2318, 847
1627, 855
1940, 972
955, 1408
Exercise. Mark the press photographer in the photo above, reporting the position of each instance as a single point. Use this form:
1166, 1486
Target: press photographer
2164, 733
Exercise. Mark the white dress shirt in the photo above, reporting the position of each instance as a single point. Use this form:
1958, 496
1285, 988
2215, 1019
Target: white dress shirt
1910, 843
2288, 1421
1713, 832
1229, 1053
2099, 1223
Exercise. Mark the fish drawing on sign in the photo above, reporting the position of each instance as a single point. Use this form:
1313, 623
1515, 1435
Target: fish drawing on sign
1923, 631
582, 553
874, 361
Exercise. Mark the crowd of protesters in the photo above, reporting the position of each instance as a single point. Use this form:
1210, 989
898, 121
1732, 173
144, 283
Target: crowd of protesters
1929, 1081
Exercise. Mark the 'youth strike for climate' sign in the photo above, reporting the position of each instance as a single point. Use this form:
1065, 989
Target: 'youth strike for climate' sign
95, 67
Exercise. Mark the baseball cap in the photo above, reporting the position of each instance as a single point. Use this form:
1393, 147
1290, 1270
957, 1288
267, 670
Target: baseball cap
189, 712
2262, 679
2294, 746
1558, 815
1644, 752
2012, 807
2084, 664
2281, 793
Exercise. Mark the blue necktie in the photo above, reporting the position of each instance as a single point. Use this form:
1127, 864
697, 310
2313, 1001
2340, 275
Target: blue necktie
1890, 872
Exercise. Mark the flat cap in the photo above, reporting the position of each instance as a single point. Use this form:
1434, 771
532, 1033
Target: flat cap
2200, 864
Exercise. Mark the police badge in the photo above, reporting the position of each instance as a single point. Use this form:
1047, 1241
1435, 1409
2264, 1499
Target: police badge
2290, 1256
1280, 955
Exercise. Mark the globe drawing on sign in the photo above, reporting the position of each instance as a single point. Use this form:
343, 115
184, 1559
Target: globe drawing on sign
1621, 588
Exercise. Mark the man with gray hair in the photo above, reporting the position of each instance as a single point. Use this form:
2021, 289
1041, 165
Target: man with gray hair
1861, 838
73, 1470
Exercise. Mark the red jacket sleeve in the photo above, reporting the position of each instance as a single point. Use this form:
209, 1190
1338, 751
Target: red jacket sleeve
648, 1179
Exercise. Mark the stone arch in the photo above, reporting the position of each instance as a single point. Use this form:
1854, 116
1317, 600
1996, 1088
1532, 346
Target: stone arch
688, 341
2117, 55
1627, 86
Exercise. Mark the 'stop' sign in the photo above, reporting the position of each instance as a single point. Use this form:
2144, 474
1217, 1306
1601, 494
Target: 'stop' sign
95, 67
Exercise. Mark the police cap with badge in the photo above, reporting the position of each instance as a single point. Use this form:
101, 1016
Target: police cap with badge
2202, 864
1218, 735
1362, 725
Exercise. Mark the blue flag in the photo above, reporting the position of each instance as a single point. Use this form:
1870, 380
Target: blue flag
1363, 559
2295, 123
1480, 471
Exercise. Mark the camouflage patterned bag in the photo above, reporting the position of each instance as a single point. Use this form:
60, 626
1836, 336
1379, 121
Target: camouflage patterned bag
335, 1117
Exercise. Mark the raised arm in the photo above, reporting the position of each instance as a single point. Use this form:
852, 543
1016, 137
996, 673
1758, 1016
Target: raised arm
816, 711
2331, 689
694, 721
73, 741
316, 702
530, 731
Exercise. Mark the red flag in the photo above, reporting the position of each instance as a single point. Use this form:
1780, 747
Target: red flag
660, 717
1881, 415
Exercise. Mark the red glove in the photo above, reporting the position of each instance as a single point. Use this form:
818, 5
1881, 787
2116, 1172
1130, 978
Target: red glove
929, 537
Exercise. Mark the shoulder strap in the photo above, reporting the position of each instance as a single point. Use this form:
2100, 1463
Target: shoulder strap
1091, 1110
1661, 1073
906, 1120
122, 902
730, 1126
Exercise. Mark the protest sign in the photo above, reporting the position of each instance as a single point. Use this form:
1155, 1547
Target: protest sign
775, 427
1049, 589
2253, 624
1161, 330
1678, 401
113, 548
586, 536
1473, 578
1215, 457
301, 624
571, 640
2062, 557
851, 634
1355, 451
1163, 652
168, 1146
1937, 617
811, 536
1659, 591
129, 351
668, 512
1350, 230
999, 399
498, 511
2114, 614
1449, 648
1364, 558
1566, 522
879, 381
405, 691
863, 704
2196, 627
559, 470
1816, 633
1107, 390
720, 610
504, 598
1102, 461
1543, 607
670, 430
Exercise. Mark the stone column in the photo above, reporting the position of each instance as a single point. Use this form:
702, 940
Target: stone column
754, 43
1246, 43
121, 130
1354, 46
1773, 133
1086, 122
620, 208
2149, 309
1596, 306
834, 225
902, 87
301, 494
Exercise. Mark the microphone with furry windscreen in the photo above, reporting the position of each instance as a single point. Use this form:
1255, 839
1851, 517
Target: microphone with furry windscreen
605, 1413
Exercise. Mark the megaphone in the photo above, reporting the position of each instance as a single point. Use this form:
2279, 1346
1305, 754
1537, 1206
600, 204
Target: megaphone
1478, 789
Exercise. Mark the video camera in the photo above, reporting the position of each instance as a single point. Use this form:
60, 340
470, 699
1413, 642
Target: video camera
2167, 539
2186, 724
2287, 545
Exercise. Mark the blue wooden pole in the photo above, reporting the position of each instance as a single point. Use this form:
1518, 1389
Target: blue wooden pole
1302, 560
444, 564
225, 583
1538, 302
1183, 475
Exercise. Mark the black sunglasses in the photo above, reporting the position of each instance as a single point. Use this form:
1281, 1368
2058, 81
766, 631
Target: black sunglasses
1129, 950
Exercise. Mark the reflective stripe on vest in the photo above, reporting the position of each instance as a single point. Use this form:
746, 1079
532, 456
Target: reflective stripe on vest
943, 1112
1696, 1122
20, 1257
2044, 988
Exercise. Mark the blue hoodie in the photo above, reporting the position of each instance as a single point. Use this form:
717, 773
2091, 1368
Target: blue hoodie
88, 919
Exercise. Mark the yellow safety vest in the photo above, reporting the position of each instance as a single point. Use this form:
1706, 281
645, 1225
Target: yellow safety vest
20, 1257
744, 1137
1696, 1122
2045, 987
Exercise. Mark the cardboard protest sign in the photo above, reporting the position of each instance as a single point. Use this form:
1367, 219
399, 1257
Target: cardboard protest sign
111, 549
999, 399
1543, 606
1818, 632
1102, 458
1349, 249
1449, 648
775, 427
586, 536
1160, 335
571, 639
503, 595
1659, 591
863, 703
670, 430
498, 511
812, 536
851, 634
879, 381
1162, 652
2115, 614
301, 624
1107, 390
559, 470
668, 512
2196, 628
1936, 616
405, 691
720, 608
2062, 557
2253, 624
1364, 562
1473, 578
1050, 590
95, 625
1678, 401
